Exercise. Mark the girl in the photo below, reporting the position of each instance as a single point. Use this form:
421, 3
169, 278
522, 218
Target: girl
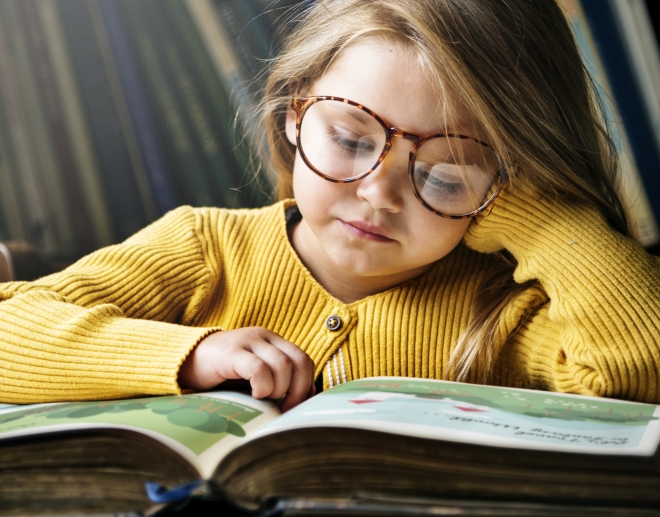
448, 210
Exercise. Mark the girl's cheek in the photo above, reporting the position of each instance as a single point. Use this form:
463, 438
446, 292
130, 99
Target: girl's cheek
313, 192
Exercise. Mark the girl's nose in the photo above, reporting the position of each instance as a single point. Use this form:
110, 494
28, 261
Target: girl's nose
385, 187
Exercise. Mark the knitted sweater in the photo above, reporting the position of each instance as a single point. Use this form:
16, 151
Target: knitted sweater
120, 322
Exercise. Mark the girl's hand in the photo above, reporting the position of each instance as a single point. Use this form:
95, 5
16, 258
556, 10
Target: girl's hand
275, 367
499, 226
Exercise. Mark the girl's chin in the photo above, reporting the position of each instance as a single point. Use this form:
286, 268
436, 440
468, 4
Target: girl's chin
359, 267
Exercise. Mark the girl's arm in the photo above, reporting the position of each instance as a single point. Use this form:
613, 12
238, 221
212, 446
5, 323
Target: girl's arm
599, 333
105, 327
123, 322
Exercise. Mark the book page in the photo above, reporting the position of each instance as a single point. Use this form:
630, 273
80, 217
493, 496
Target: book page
200, 427
484, 415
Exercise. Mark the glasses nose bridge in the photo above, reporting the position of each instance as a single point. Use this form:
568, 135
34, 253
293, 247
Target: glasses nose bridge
394, 132
400, 133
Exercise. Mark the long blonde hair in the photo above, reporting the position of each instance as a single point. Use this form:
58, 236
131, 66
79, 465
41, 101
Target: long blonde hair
513, 64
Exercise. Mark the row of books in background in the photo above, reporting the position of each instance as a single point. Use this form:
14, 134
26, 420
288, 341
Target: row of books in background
113, 112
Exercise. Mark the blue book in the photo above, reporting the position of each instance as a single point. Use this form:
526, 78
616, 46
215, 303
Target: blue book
160, 178
627, 95
126, 206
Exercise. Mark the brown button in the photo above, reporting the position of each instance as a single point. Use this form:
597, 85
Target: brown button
333, 323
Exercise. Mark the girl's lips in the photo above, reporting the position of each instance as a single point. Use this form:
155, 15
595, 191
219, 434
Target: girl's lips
366, 231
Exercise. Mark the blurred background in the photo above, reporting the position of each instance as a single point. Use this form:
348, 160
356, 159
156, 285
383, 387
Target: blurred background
113, 112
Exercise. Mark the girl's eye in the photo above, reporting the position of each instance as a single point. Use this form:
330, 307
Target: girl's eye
350, 144
439, 183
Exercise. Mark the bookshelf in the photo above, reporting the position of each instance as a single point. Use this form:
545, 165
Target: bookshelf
113, 112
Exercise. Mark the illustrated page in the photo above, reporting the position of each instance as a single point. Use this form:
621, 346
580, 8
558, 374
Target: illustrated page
485, 415
201, 427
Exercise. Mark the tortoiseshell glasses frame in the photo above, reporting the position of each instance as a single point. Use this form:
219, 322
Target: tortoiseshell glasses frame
301, 104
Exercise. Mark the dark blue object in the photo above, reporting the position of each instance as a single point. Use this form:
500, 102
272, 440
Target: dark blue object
155, 163
627, 95
159, 494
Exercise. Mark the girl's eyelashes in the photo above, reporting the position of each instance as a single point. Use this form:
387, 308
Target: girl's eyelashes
440, 184
349, 143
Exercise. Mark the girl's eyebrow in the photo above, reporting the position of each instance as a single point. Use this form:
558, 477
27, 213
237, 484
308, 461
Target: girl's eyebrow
361, 116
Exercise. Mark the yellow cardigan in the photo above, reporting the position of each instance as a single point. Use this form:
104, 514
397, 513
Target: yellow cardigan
120, 322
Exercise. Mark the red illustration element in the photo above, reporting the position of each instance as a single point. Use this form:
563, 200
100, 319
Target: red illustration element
471, 409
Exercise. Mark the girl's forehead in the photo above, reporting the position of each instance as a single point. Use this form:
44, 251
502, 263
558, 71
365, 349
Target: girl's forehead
389, 79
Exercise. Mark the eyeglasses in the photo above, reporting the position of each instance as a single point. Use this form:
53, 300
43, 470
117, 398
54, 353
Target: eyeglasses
454, 176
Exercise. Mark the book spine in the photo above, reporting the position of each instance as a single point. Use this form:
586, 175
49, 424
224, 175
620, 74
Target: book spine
238, 37
186, 165
197, 118
213, 95
631, 191
116, 164
77, 126
219, 173
254, 29
11, 198
219, 46
636, 29
47, 89
276, 15
631, 107
36, 218
38, 135
123, 113
155, 162
188, 37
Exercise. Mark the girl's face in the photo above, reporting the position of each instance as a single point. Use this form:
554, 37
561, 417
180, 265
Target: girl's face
374, 232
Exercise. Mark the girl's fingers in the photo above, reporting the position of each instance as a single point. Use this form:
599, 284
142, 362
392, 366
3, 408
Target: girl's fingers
302, 373
281, 367
276, 368
250, 367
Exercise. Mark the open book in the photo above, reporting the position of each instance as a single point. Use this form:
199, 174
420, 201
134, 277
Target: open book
375, 443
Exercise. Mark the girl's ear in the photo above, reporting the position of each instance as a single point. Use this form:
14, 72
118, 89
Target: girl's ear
290, 126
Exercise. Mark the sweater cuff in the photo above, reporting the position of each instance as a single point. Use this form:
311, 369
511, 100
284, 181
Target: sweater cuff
555, 241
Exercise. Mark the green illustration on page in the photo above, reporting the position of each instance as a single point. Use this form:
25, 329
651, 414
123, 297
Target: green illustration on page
195, 421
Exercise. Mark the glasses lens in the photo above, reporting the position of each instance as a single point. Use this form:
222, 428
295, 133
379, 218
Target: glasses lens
454, 175
340, 140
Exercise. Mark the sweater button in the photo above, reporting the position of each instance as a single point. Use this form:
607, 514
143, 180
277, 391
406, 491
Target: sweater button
333, 323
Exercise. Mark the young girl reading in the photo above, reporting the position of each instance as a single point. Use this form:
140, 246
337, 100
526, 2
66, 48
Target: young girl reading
449, 210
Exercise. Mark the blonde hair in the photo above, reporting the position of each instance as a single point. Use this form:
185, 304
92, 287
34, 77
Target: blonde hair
514, 65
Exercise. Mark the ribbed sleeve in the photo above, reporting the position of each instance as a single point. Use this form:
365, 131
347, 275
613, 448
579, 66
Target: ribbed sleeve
110, 325
600, 331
